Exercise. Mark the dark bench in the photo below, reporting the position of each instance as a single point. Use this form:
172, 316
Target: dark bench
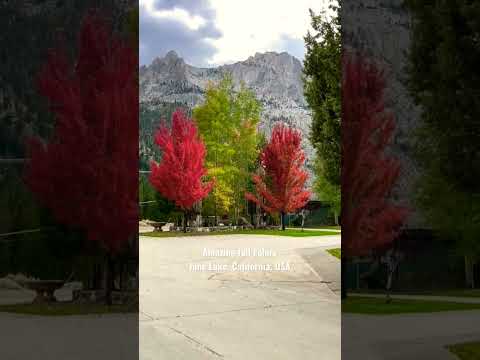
44, 289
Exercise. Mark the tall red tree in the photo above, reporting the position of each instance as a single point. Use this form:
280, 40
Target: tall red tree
370, 220
87, 173
282, 185
179, 176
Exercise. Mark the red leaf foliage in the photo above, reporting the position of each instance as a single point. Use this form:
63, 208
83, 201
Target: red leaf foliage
88, 172
283, 181
370, 221
179, 175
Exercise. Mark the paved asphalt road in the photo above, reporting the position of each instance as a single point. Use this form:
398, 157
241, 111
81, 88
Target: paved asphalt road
192, 313
25, 337
407, 336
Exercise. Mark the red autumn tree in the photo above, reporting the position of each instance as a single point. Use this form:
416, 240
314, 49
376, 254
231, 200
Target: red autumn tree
87, 172
283, 181
179, 176
370, 220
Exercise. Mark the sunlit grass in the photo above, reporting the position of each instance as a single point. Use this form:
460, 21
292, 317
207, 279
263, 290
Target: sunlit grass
287, 232
470, 293
466, 351
67, 309
335, 252
379, 306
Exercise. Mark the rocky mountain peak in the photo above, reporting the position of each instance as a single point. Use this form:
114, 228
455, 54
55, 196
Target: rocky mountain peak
170, 61
274, 58
275, 78
171, 56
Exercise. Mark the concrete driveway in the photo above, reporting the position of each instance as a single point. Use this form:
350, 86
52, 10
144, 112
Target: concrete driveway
237, 297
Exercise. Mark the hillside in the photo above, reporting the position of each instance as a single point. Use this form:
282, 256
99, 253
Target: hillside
275, 78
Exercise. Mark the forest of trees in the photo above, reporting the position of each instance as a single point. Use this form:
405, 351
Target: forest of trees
227, 123
44, 225
322, 87
443, 80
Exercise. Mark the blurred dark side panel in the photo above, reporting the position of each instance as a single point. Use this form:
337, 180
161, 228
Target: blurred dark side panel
418, 295
68, 179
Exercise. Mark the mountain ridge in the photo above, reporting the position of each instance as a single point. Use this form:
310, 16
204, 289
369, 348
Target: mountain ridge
275, 78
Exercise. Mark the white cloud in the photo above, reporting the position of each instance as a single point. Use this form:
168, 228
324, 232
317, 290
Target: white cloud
193, 22
224, 31
251, 26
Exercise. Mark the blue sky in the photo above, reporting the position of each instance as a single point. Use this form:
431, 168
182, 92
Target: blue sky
217, 32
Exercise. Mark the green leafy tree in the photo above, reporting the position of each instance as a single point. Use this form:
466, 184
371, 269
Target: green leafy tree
150, 119
322, 86
227, 122
154, 206
443, 79
326, 191
132, 24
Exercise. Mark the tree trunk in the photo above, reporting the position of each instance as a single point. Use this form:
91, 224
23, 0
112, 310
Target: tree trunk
123, 276
215, 211
252, 220
185, 221
97, 276
343, 277
469, 281
388, 287
108, 280
283, 221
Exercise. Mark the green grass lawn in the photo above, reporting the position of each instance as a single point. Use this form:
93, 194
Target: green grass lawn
67, 309
333, 227
378, 306
287, 232
471, 293
335, 252
467, 351
455, 292
330, 227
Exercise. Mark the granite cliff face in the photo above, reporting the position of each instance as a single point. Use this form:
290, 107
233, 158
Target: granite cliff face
275, 78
